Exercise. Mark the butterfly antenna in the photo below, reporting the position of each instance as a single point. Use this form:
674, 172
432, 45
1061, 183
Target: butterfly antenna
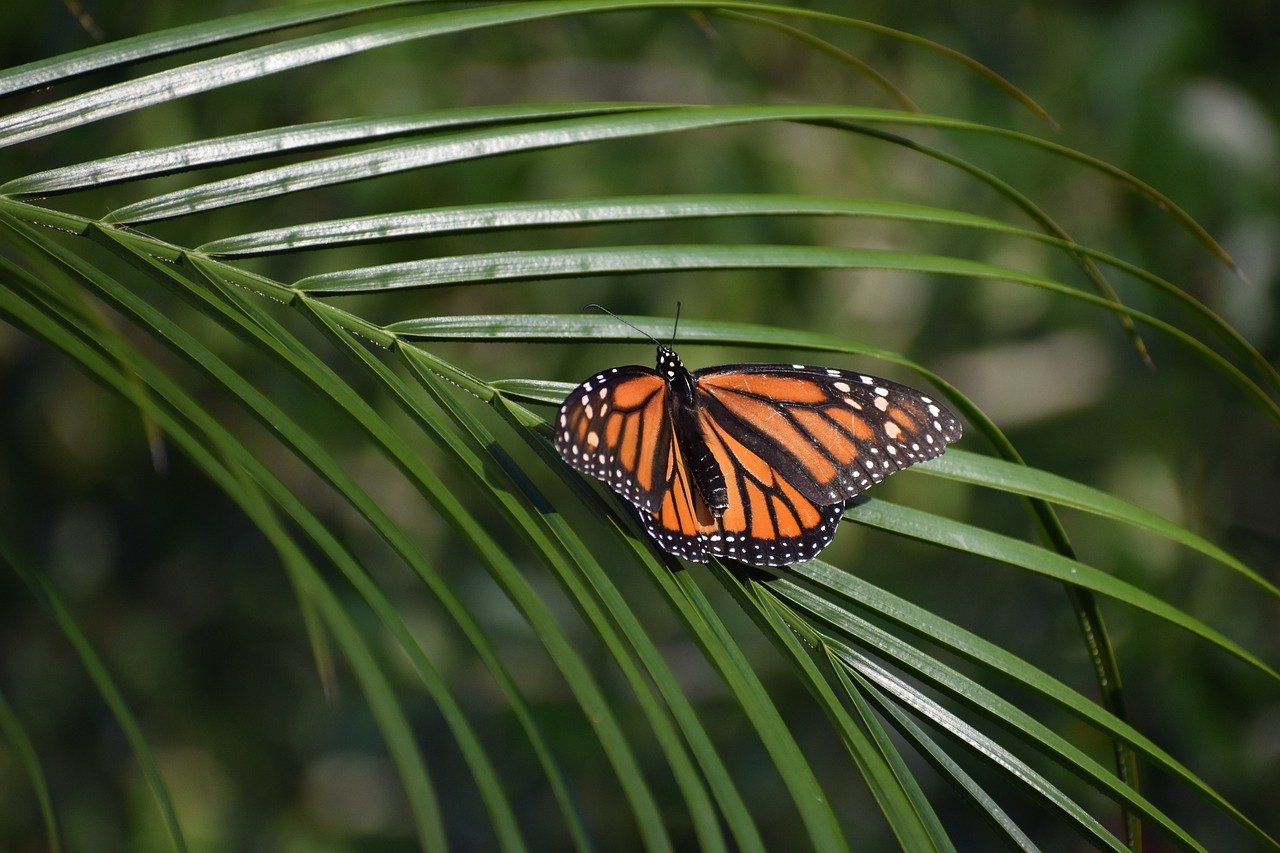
676, 326
591, 305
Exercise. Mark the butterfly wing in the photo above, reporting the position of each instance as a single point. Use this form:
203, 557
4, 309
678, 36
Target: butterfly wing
615, 427
681, 523
828, 434
768, 521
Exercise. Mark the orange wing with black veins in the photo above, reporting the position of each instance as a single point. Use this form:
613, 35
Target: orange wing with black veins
830, 434
612, 427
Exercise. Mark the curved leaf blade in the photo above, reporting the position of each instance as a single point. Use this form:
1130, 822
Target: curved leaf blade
966, 467
225, 150
126, 51
969, 539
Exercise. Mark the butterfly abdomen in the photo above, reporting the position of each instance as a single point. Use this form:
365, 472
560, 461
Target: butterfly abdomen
701, 462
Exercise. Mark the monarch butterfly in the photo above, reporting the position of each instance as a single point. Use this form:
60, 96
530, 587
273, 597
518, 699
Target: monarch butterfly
749, 461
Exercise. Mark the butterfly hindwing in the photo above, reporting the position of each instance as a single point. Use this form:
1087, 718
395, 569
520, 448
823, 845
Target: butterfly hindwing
768, 522
681, 523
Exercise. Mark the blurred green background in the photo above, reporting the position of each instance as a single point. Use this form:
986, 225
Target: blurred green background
194, 616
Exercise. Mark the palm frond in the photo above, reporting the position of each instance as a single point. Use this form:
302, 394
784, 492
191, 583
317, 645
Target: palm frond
347, 417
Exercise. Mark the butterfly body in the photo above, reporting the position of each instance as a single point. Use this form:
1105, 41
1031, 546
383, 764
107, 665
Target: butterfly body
682, 403
749, 461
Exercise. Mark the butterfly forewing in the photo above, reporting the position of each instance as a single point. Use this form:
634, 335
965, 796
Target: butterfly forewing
615, 427
830, 433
